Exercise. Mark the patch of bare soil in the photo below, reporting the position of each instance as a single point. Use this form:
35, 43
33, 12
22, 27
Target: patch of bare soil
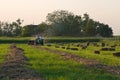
14, 66
88, 62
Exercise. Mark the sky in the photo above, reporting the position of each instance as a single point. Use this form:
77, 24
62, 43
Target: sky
35, 11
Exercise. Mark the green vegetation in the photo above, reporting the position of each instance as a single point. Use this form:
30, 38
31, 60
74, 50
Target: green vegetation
73, 40
58, 23
47, 39
3, 51
53, 67
105, 57
6, 40
11, 29
65, 23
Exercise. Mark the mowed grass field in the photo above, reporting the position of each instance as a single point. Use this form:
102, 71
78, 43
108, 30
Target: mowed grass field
52, 66
4, 49
105, 57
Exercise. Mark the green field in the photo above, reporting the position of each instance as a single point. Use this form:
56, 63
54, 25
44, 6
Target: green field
4, 48
23, 40
105, 57
52, 66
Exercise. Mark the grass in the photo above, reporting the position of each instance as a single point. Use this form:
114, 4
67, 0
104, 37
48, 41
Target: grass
70, 39
53, 67
105, 57
3, 51
24, 40
8, 40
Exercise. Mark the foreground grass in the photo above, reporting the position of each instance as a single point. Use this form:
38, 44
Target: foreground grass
54, 67
4, 48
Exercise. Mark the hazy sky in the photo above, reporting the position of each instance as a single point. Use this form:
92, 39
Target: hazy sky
35, 11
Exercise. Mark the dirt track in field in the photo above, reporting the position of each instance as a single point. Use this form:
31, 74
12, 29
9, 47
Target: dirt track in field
88, 62
14, 66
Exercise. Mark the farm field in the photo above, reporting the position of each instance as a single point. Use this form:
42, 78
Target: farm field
53, 40
21, 40
105, 56
49, 62
3, 51
54, 67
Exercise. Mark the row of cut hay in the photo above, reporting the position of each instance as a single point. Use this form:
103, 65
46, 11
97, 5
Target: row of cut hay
14, 66
69, 40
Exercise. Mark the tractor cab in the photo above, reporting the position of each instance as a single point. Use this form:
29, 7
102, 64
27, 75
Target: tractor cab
39, 40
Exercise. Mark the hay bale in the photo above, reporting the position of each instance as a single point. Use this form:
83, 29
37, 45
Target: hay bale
103, 44
95, 44
78, 45
49, 45
104, 49
84, 47
81, 45
68, 48
97, 52
108, 49
74, 49
63, 47
117, 54
111, 49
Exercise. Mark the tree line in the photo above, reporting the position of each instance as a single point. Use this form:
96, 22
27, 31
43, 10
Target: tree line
58, 23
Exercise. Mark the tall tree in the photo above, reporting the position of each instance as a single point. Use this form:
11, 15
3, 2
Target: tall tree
11, 29
42, 27
64, 23
17, 27
0, 28
104, 30
90, 28
29, 30
7, 29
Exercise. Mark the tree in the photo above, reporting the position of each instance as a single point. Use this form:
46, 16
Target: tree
7, 29
85, 20
32, 30
0, 28
29, 30
90, 28
42, 27
64, 23
58, 16
104, 30
17, 27
11, 29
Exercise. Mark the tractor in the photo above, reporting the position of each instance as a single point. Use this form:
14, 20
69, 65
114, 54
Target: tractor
37, 41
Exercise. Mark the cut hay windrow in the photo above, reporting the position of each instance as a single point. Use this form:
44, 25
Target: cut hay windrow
14, 66
88, 62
